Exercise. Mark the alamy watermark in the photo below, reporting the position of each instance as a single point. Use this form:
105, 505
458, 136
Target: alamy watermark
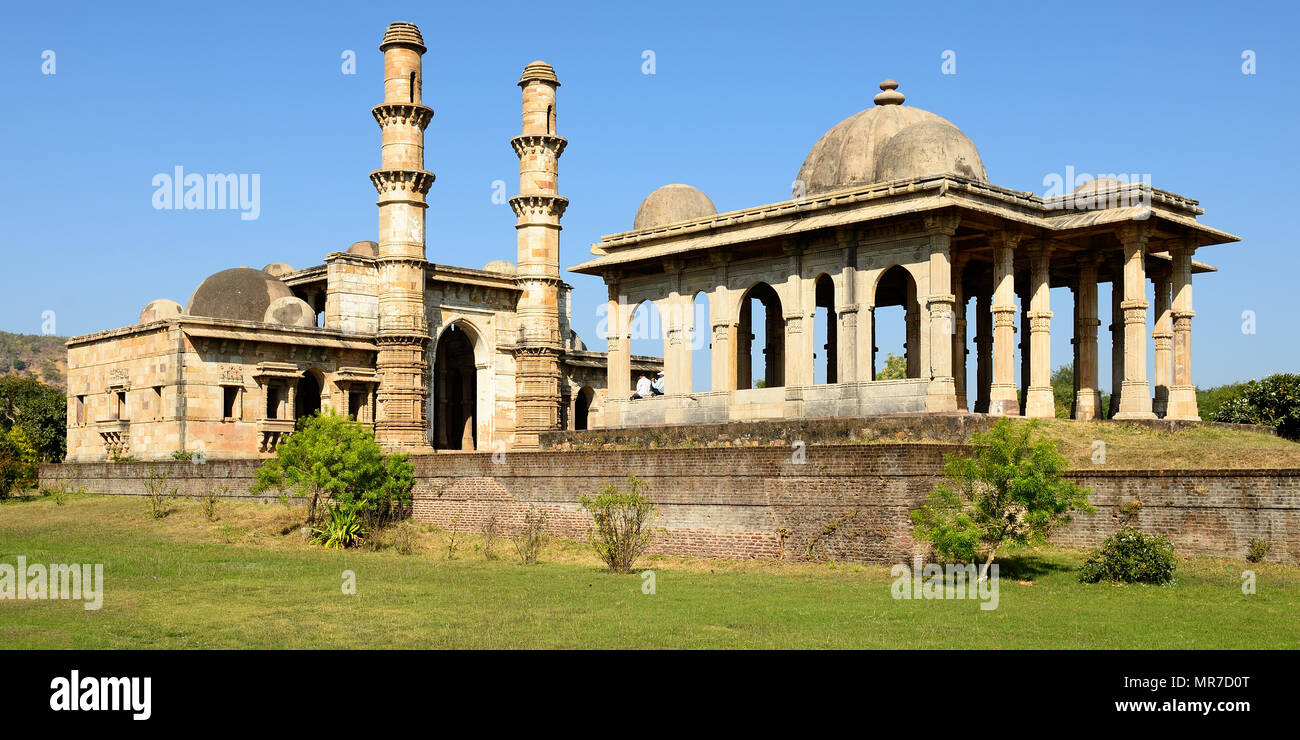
951, 581
1115, 190
211, 192
38, 581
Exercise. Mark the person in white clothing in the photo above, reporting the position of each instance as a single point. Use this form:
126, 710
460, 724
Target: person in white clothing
643, 388
657, 387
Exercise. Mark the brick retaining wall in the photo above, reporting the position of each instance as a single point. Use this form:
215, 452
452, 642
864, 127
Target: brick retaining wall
848, 502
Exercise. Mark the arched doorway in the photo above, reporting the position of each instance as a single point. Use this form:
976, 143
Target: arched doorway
455, 392
582, 406
895, 297
760, 306
307, 395
825, 332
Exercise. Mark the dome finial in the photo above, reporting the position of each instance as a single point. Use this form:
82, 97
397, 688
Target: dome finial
891, 95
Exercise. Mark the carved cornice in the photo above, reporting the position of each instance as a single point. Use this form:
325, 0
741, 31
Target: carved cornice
405, 181
413, 114
534, 144
528, 204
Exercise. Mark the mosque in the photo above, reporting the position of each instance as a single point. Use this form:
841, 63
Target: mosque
892, 207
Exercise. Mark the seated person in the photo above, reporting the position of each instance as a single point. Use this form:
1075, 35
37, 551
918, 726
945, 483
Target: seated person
657, 387
643, 388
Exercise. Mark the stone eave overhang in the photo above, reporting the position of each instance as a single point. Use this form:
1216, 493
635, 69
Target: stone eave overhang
861, 205
471, 276
306, 275
247, 331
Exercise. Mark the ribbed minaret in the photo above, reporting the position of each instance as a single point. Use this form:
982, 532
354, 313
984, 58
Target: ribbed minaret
538, 209
402, 183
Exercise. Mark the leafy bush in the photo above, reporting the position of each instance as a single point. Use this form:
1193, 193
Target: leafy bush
532, 539
1010, 492
1273, 401
19, 463
1259, 548
159, 495
40, 410
622, 524
1130, 556
343, 528
332, 461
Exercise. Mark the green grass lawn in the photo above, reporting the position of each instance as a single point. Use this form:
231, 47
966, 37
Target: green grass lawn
249, 580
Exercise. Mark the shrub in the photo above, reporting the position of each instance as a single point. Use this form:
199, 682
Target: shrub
208, 503
1258, 549
453, 538
159, 495
491, 529
1130, 556
1010, 492
343, 528
532, 539
19, 462
622, 524
403, 537
330, 458
1273, 401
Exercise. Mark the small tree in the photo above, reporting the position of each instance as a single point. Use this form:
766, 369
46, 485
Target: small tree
333, 461
895, 368
622, 524
1010, 492
18, 462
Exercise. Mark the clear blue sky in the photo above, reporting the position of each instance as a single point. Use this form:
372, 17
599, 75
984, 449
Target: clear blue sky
741, 92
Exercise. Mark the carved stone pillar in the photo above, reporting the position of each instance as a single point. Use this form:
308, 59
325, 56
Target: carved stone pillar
1136, 400
941, 395
1039, 400
1002, 391
1182, 393
983, 351
959, 330
1087, 402
1162, 337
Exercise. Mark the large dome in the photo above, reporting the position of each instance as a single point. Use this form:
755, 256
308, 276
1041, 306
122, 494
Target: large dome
672, 204
888, 142
241, 293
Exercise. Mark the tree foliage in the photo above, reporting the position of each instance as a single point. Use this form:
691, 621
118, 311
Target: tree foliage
41, 411
1011, 491
1273, 401
895, 368
19, 462
333, 461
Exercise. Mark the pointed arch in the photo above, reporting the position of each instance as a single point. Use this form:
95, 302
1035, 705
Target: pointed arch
896, 287
760, 306
458, 355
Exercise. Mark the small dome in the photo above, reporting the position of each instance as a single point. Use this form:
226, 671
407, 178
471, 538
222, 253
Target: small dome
672, 204
241, 293
860, 150
578, 344
1100, 185
290, 311
160, 310
364, 249
538, 70
401, 33
278, 269
504, 267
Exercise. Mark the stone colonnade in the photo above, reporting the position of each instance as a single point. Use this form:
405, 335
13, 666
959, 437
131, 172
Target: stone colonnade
936, 322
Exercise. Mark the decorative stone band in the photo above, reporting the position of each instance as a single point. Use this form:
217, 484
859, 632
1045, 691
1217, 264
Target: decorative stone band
535, 144
402, 181
1040, 321
409, 114
539, 205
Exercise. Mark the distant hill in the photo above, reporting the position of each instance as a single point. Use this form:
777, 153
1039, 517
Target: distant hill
35, 356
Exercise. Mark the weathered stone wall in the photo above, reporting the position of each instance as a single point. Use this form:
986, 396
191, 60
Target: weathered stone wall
848, 502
